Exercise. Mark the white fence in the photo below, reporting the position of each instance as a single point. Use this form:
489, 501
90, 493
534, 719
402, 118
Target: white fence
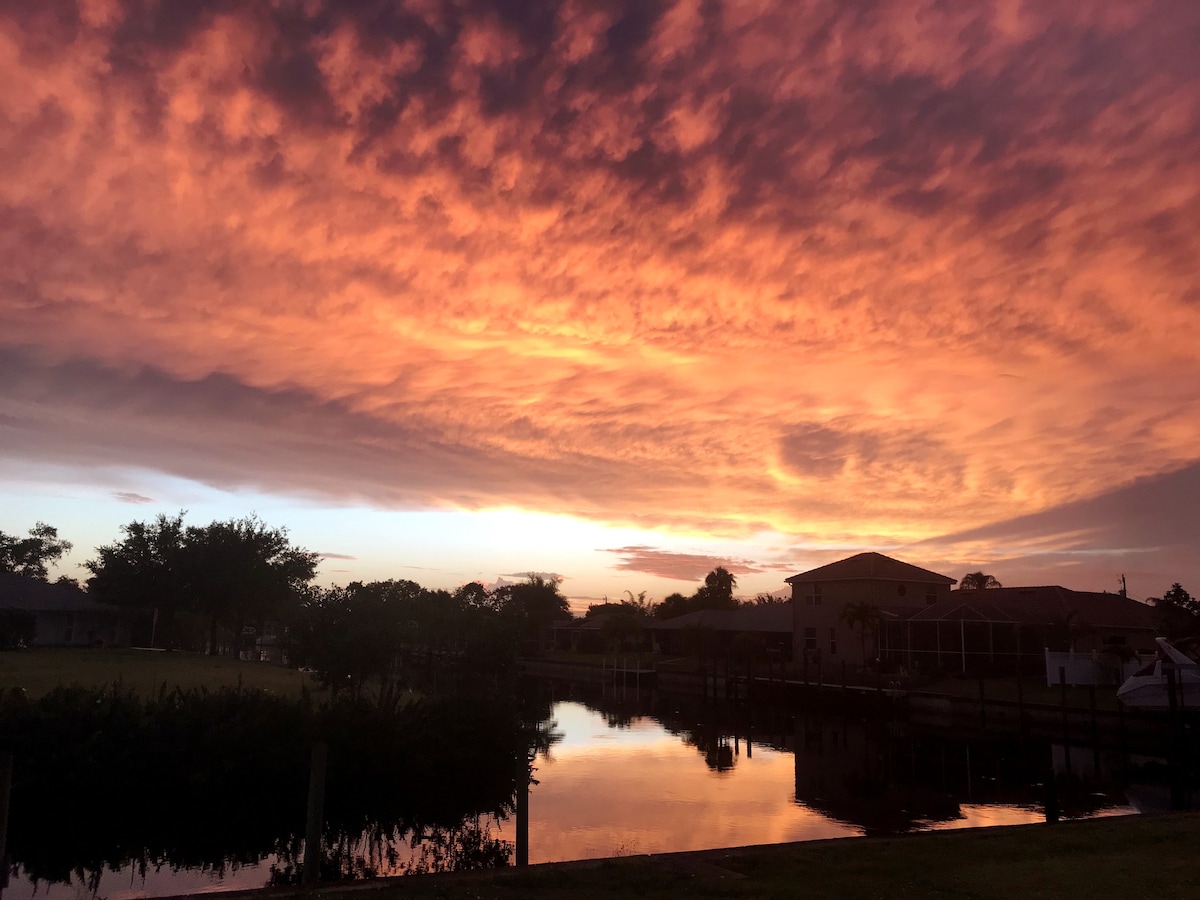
1091, 668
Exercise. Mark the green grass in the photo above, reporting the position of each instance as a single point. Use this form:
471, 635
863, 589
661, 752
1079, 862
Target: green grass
143, 671
1135, 856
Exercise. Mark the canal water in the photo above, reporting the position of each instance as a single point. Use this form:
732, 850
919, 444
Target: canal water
648, 773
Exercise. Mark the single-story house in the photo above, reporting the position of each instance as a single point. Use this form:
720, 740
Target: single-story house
61, 615
762, 627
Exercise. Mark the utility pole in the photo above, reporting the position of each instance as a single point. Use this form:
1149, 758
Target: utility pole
1124, 592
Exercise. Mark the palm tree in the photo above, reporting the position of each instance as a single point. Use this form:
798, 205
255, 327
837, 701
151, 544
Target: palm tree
977, 581
862, 617
721, 582
717, 591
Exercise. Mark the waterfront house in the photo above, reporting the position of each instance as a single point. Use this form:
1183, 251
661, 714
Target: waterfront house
1009, 629
820, 596
751, 630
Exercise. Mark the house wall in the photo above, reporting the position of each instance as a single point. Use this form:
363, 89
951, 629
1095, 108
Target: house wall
79, 629
1139, 640
835, 595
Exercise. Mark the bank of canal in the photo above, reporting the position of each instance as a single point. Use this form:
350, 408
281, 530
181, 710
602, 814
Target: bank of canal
1134, 856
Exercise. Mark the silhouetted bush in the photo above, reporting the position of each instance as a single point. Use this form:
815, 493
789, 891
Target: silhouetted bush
207, 779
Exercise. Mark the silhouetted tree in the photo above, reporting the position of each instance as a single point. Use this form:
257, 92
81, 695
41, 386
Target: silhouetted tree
351, 635
1178, 612
243, 572
863, 617
532, 606
623, 628
144, 569
672, 605
717, 591
639, 603
974, 581
769, 600
623, 622
474, 596
233, 573
32, 556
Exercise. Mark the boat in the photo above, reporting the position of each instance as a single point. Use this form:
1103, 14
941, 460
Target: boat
1147, 688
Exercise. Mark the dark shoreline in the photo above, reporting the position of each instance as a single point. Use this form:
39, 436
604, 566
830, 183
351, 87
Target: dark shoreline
1140, 855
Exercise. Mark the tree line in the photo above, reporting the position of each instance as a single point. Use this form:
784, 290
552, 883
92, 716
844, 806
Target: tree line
213, 586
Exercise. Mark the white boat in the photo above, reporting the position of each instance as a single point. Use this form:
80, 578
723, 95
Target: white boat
1147, 687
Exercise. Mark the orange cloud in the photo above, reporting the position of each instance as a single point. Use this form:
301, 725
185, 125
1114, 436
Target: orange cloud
893, 271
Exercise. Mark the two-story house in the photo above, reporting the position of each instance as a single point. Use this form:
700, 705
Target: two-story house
820, 595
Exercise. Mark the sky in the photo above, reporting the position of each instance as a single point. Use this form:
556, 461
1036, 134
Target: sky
617, 290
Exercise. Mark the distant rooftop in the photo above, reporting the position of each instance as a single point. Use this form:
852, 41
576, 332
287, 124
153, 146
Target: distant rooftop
1041, 605
760, 617
19, 592
873, 566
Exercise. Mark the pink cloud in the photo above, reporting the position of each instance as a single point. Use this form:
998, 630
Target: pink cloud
679, 566
894, 271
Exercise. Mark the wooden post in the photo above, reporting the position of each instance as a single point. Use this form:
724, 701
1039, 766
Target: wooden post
1062, 697
1121, 733
523, 823
1095, 728
1021, 724
316, 816
982, 707
1050, 800
6, 771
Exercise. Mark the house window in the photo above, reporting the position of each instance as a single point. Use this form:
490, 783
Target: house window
810, 639
832, 641
930, 598
813, 599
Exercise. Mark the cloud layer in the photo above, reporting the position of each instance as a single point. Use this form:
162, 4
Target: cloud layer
884, 270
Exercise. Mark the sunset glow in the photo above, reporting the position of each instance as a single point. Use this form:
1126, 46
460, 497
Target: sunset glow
748, 282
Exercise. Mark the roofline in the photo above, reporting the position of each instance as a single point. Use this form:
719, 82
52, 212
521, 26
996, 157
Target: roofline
938, 579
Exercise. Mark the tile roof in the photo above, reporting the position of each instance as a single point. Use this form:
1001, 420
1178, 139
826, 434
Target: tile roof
1042, 605
871, 566
775, 617
19, 592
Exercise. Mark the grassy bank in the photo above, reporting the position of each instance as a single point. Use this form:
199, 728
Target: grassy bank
1135, 856
143, 671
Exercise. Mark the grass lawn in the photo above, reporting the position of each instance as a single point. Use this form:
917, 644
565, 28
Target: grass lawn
144, 671
1134, 856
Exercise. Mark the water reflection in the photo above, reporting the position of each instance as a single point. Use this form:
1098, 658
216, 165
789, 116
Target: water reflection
612, 775
653, 773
